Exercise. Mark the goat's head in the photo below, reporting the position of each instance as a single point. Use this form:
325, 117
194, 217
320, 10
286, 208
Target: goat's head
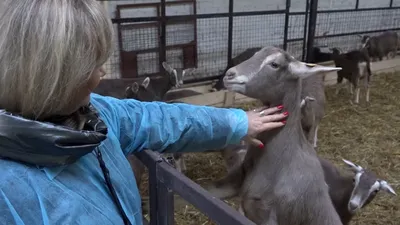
336, 50
141, 92
364, 41
176, 75
366, 186
264, 75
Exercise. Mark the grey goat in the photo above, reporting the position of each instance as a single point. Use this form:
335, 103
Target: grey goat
351, 193
284, 183
348, 193
381, 45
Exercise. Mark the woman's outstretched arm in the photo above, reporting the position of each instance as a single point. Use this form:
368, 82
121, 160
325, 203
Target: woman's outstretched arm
175, 127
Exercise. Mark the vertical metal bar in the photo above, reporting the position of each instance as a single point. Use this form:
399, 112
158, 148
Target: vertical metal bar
303, 55
311, 28
162, 38
285, 34
230, 32
153, 195
195, 34
357, 3
391, 3
166, 204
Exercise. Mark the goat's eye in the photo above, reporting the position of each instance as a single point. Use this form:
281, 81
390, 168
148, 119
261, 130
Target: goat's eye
354, 180
274, 65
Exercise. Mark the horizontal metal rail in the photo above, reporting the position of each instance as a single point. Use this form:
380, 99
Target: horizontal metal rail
196, 16
164, 180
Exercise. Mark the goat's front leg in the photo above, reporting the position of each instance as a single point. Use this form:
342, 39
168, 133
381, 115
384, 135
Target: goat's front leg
367, 79
355, 82
241, 210
338, 83
338, 88
357, 97
312, 135
350, 87
315, 136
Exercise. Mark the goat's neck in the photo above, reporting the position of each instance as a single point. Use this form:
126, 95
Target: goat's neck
291, 103
340, 194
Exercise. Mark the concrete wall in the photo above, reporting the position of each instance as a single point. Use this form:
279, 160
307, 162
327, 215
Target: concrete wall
250, 31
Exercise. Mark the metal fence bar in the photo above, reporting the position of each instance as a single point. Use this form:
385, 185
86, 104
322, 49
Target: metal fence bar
163, 37
391, 4
197, 16
355, 33
311, 28
165, 203
166, 175
151, 165
357, 4
230, 33
285, 33
250, 13
345, 10
303, 53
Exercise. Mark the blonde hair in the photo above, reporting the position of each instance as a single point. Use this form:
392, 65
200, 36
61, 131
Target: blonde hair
48, 49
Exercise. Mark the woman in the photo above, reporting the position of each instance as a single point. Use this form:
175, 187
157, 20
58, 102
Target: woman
64, 149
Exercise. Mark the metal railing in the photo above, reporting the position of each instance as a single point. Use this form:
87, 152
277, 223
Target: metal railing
164, 181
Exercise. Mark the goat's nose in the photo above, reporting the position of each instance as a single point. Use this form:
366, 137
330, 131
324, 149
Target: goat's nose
231, 73
353, 205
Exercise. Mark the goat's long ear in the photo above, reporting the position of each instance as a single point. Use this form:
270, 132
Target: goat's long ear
303, 70
146, 82
167, 67
386, 187
353, 166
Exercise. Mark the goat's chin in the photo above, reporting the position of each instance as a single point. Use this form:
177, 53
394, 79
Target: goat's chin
353, 211
239, 88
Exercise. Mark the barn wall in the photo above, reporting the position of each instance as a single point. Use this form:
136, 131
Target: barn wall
249, 31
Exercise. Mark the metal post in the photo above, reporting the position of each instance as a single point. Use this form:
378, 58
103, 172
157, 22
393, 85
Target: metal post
357, 3
303, 52
391, 3
285, 34
311, 28
153, 193
162, 38
165, 204
230, 33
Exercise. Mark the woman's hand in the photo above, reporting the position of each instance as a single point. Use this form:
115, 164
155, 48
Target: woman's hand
263, 119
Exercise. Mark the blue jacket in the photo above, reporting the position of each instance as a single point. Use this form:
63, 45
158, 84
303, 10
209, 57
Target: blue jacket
77, 193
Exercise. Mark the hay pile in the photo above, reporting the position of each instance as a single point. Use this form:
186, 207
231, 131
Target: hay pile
369, 136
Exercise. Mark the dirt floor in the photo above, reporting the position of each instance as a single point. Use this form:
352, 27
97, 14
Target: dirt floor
368, 136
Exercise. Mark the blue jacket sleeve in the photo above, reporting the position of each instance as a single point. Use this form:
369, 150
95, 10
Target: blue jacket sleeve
166, 127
